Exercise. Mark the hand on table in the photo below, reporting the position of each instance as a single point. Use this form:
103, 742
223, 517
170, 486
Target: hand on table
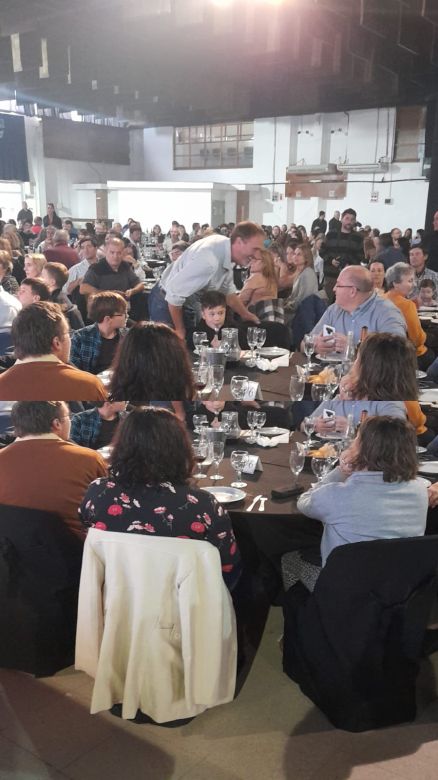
332, 425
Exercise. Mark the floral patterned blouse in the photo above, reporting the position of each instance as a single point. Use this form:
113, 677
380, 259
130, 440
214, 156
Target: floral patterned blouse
164, 510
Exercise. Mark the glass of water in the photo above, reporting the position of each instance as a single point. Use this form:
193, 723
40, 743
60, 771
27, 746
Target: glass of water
217, 376
297, 459
217, 455
239, 387
260, 420
200, 422
320, 467
309, 428
297, 386
200, 448
252, 423
199, 339
309, 347
261, 338
239, 459
251, 337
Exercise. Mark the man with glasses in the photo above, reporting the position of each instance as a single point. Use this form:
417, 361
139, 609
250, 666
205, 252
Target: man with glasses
41, 469
206, 265
41, 339
357, 306
93, 347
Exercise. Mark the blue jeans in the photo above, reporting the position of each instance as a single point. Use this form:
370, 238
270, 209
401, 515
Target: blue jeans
158, 308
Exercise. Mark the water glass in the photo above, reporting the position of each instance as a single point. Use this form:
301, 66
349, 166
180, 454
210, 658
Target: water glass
217, 377
251, 337
261, 338
320, 467
200, 373
320, 392
239, 387
200, 448
217, 455
252, 423
309, 427
297, 459
198, 340
200, 421
309, 347
260, 420
239, 459
297, 386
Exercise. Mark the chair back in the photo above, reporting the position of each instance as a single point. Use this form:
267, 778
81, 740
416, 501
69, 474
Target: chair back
308, 314
5, 340
162, 638
354, 644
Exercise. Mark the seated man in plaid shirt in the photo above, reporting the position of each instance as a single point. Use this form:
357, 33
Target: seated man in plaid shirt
93, 347
96, 427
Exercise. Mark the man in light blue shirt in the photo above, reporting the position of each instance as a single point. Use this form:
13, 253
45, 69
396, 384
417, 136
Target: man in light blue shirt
206, 265
357, 306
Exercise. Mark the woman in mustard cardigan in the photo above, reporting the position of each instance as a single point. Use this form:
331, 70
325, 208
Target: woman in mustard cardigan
400, 282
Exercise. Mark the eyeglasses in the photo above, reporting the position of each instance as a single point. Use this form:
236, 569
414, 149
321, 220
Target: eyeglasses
340, 286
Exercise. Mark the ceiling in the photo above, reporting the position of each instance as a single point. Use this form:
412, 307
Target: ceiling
187, 62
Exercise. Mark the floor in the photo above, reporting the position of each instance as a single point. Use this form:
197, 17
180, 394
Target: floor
270, 732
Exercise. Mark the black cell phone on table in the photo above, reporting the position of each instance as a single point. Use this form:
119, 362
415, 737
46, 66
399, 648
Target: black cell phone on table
286, 492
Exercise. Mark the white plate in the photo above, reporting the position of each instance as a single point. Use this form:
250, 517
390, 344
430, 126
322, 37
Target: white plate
334, 357
428, 308
428, 396
420, 450
428, 467
420, 374
226, 495
335, 436
273, 431
273, 352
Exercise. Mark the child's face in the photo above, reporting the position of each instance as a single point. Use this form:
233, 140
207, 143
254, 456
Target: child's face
214, 317
426, 294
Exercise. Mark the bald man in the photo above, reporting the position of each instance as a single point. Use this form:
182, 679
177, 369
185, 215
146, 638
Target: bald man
356, 306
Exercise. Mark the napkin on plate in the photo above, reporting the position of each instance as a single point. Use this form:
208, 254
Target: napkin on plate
272, 441
263, 364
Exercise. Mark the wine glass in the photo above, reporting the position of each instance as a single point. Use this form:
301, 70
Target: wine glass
239, 387
297, 386
260, 421
217, 376
252, 423
296, 459
309, 428
239, 459
200, 372
261, 338
200, 422
200, 448
320, 467
217, 455
198, 340
309, 348
251, 337
319, 392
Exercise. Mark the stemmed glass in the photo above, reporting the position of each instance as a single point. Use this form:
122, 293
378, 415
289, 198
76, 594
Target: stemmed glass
261, 338
200, 372
260, 421
297, 386
296, 459
251, 418
309, 348
320, 392
239, 459
309, 428
200, 422
320, 467
217, 376
217, 453
200, 448
251, 337
199, 339
239, 387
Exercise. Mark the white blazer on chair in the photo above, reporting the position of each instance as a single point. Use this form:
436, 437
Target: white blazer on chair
156, 625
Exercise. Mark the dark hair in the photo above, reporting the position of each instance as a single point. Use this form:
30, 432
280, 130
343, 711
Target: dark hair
428, 283
38, 287
387, 365
349, 211
91, 239
35, 327
387, 444
90, 228
106, 304
212, 298
151, 364
421, 246
181, 245
68, 222
132, 228
58, 272
245, 231
151, 446
35, 417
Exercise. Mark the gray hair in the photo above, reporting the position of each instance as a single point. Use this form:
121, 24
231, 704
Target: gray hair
396, 272
61, 237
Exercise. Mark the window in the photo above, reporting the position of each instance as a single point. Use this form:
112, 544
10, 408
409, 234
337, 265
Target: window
214, 146
410, 133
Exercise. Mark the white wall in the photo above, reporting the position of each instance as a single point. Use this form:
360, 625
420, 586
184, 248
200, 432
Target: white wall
153, 202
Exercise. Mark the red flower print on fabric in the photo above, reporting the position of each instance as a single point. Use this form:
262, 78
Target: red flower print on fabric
114, 510
124, 498
198, 528
149, 527
159, 510
101, 526
233, 548
228, 567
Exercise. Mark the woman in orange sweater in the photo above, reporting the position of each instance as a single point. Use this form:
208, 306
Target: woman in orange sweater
400, 282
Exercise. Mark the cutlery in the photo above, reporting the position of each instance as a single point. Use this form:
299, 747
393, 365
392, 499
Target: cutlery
253, 503
263, 499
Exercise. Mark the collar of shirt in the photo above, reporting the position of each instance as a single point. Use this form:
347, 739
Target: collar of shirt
38, 436
39, 359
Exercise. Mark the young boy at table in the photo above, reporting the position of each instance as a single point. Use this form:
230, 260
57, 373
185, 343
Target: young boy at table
427, 293
213, 318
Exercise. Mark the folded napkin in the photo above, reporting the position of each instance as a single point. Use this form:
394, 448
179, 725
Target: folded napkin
263, 364
272, 441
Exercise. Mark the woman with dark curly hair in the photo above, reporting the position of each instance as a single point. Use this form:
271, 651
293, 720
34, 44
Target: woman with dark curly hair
151, 364
149, 492
373, 494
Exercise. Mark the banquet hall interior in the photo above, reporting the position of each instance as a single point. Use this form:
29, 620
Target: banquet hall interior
219, 389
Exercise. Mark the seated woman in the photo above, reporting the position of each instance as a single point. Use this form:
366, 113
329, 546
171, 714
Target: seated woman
284, 265
377, 477
377, 271
151, 364
33, 265
400, 281
7, 281
149, 489
262, 283
306, 281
